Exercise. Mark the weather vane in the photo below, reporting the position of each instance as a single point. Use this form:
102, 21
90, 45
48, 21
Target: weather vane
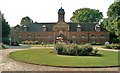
61, 4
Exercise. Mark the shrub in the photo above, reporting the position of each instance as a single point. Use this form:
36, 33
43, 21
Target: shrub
75, 50
95, 52
112, 46
97, 43
86, 49
60, 49
30, 42
6, 41
13, 43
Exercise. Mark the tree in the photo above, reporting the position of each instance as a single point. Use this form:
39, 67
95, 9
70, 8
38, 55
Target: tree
5, 28
26, 20
112, 23
86, 15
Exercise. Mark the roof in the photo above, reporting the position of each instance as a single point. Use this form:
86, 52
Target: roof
36, 27
84, 26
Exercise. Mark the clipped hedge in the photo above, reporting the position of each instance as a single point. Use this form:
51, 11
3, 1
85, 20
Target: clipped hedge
75, 50
113, 46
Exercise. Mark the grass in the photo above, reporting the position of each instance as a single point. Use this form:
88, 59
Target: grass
44, 57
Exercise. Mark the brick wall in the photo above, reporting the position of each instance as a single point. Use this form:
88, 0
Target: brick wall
78, 37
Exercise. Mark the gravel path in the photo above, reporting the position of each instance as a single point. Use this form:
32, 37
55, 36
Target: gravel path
7, 64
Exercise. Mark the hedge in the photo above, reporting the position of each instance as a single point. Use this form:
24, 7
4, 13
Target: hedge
75, 50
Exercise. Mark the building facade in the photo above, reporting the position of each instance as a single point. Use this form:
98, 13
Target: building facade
61, 31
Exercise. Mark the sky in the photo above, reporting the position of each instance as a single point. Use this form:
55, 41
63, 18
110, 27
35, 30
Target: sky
46, 10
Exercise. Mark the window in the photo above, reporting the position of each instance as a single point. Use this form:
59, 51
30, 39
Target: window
44, 28
78, 28
93, 36
19, 36
73, 36
97, 27
102, 36
29, 36
83, 36
49, 37
39, 36
25, 28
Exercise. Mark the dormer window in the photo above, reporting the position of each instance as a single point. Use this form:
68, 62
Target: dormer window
17, 27
44, 28
97, 27
78, 28
25, 28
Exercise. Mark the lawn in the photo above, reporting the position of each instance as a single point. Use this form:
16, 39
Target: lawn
44, 57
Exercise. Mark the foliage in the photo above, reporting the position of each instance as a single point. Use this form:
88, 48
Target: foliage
26, 20
96, 43
6, 41
86, 15
112, 23
75, 50
5, 29
113, 46
44, 57
114, 10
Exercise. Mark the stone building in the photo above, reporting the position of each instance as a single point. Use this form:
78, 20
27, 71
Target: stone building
61, 31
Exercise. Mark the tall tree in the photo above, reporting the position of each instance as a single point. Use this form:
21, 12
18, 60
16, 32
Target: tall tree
5, 28
112, 23
26, 20
86, 15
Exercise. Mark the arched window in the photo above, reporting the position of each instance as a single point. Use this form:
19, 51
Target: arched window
83, 36
73, 36
39, 36
19, 36
49, 37
29, 36
93, 36
102, 36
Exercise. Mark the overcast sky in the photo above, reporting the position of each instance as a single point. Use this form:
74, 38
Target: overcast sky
46, 10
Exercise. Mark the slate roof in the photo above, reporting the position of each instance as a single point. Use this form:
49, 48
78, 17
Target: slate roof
37, 27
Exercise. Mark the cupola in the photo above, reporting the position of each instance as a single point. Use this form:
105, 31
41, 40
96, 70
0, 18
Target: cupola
61, 13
